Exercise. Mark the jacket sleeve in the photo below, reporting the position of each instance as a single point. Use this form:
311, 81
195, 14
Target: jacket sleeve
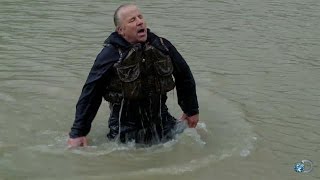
92, 92
185, 83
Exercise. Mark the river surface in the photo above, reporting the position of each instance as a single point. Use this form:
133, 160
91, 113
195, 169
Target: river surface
257, 68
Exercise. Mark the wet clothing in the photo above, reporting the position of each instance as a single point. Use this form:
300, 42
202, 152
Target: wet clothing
144, 71
145, 119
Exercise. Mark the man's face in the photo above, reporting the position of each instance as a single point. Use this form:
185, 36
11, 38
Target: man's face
132, 26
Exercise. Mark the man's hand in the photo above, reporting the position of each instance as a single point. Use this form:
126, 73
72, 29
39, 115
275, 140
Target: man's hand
77, 142
192, 120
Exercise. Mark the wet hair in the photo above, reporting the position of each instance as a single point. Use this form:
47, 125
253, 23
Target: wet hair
116, 18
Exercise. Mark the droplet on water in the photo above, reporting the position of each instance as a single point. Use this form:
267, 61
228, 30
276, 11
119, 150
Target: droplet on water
244, 153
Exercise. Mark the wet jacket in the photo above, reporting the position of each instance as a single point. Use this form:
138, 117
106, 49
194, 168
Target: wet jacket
145, 71
134, 115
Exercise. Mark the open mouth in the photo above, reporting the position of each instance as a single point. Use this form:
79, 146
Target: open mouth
140, 31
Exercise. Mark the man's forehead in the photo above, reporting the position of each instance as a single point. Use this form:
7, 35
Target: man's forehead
128, 10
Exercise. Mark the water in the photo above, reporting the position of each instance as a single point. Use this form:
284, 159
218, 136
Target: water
257, 68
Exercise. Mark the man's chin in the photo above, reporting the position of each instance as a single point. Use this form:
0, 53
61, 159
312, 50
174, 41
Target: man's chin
142, 39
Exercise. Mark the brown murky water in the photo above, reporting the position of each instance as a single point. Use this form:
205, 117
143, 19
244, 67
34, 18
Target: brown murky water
257, 67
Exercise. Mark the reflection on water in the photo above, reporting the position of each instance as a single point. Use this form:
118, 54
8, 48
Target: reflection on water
256, 65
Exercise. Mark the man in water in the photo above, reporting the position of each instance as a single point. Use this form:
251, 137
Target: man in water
133, 72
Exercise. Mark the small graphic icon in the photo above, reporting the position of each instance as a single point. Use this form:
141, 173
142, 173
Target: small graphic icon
304, 166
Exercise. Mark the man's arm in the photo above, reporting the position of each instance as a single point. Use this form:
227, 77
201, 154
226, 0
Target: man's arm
185, 83
92, 92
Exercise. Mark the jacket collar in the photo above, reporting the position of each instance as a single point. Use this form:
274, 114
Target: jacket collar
118, 41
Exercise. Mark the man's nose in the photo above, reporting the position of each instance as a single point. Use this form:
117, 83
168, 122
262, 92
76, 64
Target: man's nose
140, 21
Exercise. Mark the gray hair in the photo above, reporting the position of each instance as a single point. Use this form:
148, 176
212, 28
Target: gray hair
116, 17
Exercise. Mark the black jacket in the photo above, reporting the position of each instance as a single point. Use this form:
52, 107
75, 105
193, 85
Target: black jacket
93, 89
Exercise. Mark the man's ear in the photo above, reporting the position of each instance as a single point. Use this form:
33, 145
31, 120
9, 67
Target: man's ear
119, 30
